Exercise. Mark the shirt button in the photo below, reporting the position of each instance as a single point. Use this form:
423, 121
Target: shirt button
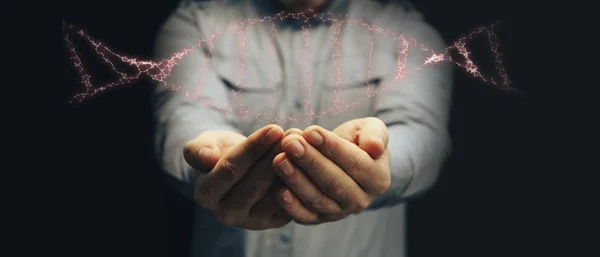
298, 104
284, 238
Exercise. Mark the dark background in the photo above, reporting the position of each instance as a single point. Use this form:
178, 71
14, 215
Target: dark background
484, 204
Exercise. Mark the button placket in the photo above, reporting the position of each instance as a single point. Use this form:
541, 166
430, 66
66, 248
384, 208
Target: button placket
285, 246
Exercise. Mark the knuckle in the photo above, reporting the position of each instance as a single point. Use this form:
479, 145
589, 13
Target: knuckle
336, 187
231, 207
382, 186
228, 217
333, 216
356, 163
318, 203
255, 188
303, 220
381, 183
314, 165
350, 207
362, 204
293, 179
263, 223
230, 168
333, 148
292, 209
228, 220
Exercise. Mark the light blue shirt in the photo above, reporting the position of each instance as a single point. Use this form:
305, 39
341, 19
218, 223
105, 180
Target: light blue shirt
279, 66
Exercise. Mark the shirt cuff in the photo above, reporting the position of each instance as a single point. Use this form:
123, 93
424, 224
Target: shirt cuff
416, 156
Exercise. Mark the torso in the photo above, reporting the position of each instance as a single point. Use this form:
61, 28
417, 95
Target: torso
300, 77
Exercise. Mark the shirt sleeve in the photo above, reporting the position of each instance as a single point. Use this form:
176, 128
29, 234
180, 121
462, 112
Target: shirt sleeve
415, 109
192, 98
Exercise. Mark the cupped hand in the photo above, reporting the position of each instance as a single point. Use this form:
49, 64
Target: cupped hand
234, 175
332, 174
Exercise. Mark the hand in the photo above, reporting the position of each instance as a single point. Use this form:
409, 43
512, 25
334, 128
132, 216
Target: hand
240, 176
332, 174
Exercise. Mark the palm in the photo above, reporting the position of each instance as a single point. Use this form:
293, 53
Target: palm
228, 140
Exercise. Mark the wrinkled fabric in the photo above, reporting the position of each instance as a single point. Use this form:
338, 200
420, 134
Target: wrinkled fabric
291, 73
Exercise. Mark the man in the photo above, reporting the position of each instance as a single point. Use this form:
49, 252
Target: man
299, 134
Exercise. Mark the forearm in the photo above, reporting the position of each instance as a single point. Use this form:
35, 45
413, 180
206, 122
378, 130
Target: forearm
416, 111
182, 114
417, 154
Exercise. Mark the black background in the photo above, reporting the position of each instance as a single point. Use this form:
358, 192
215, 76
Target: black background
485, 202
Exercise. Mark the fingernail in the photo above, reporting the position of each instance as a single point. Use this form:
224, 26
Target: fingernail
295, 148
271, 136
205, 154
314, 138
286, 196
286, 167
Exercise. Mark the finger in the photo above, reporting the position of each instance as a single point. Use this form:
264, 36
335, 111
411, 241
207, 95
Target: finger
373, 137
349, 157
200, 155
204, 151
292, 131
267, 213
303, 187
203, 159
325, 174
295, 209
235, 163
251, 188
370, 134
269, 205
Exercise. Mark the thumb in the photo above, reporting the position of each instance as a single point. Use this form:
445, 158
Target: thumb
201, 156
373, 137
204, 151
